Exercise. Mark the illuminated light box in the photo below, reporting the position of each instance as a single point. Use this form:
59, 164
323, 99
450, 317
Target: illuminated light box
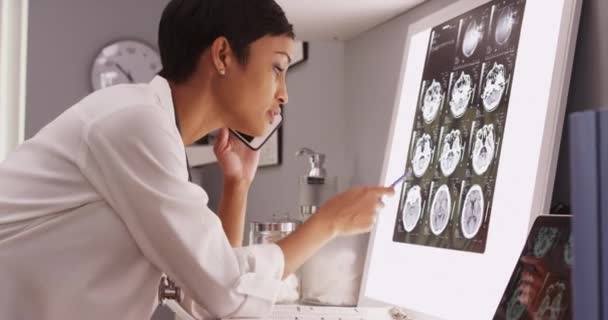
476, 127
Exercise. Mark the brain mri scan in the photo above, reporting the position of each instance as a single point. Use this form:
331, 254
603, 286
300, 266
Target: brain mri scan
544, 241
461, 95
433, 98
440, 210
451, 152
472, 38
496, 81
412, 208
504, 26
422, 155
515, 309
568, 252
552, 305
472, 212
484, 149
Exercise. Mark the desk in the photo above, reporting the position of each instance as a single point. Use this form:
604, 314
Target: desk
301, 312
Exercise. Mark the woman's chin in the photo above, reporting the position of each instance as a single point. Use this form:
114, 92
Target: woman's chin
256, 131
254, 128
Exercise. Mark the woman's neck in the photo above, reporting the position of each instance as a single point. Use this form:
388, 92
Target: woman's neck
196, 110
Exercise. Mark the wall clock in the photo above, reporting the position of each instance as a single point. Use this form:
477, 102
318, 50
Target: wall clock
124, 61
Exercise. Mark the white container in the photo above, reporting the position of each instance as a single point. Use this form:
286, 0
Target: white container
333, 275
271, 232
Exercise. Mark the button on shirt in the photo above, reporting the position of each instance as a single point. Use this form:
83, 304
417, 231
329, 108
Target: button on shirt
97, 205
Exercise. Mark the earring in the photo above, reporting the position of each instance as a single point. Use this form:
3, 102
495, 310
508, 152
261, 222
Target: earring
222, 72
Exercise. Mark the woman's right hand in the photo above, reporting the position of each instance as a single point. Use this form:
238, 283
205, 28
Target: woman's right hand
354, 211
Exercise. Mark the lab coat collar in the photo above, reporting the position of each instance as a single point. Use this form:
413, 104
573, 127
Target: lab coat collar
161, 88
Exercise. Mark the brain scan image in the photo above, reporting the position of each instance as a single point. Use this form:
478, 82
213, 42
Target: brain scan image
451, 152
484, 148
552, 305
412, 208
461, 95
568, 252
496, 81
472, 212
472, 38
422, 155
515, 309
440, 210
504, 26
544, 241
433, 98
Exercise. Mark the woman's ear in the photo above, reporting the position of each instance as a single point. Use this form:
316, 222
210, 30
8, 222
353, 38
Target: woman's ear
221, 55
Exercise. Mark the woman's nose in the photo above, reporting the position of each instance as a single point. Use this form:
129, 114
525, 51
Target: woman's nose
282, 95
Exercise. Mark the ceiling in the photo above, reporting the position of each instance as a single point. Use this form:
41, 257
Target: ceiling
340, 19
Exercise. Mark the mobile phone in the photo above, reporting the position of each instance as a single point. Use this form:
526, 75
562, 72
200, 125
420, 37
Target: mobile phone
256, 143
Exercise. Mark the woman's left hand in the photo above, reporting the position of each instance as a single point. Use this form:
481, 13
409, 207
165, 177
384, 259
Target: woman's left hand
238, 162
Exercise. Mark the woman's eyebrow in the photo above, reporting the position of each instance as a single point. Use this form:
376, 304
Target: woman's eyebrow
285, 54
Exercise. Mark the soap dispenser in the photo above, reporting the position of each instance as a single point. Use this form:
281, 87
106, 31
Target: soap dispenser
316, 186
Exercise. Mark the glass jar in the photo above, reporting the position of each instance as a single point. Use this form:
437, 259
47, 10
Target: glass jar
271, 232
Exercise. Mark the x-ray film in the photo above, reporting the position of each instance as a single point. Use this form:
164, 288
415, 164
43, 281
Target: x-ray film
441, 210
484, 149
459, 123
452, 150
412, 208
432, 101
472, 212
423, 151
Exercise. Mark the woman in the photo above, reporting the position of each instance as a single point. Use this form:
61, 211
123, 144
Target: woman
97, 205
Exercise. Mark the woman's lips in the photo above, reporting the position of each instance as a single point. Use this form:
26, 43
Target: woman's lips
271, 114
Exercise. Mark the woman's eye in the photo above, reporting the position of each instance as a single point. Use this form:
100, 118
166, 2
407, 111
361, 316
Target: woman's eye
278, 69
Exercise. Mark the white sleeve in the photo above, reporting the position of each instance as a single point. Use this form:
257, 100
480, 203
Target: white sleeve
258, 257
135, 160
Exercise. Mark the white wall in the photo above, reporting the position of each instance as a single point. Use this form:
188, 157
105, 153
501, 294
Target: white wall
13, 46
589, 82
64, 38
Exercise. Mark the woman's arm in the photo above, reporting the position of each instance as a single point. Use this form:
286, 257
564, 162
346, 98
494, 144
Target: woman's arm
304, 242
233, 205
239, 165
352, 212
139, 168
349, 213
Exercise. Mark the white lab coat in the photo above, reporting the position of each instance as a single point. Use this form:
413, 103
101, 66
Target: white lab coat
97, 205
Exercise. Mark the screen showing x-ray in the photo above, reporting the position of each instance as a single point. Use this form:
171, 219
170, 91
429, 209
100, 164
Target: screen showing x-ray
455, 146
540, 286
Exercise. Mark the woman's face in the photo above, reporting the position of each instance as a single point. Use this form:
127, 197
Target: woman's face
251, 93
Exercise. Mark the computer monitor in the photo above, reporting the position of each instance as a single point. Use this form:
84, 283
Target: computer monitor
540, 286
476, 127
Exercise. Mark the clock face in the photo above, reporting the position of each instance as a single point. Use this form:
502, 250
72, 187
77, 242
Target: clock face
125, 61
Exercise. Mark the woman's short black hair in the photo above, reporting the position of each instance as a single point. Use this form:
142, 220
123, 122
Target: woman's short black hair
188, 27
